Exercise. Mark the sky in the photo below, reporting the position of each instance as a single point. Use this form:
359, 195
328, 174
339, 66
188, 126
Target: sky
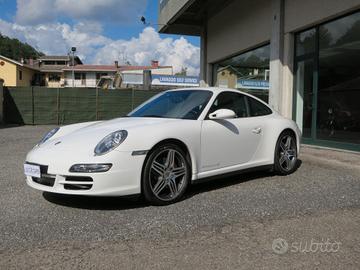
102, 31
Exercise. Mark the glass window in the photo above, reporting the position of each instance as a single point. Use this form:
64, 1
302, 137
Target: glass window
305, 42
77, 76
338, 110
54, 77
257, 108
80, 76
248, 72
185, 104
231, 101
327, 81
20, 75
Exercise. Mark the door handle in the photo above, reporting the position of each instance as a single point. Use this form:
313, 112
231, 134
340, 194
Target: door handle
257, 130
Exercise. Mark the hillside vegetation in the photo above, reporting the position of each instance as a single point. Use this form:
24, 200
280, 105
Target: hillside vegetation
15, 49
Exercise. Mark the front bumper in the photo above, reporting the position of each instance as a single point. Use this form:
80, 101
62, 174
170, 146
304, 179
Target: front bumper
124, 177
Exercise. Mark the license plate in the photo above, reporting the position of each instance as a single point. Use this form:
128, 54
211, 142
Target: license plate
32, 170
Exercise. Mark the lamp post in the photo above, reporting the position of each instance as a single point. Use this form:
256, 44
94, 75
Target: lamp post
73, 50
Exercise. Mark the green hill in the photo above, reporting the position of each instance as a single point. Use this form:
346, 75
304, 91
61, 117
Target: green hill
15, 49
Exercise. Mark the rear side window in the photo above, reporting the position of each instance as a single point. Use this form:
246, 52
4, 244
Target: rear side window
257, 108
232, 101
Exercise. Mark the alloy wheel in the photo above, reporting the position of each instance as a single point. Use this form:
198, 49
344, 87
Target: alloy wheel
287, 153
167, 175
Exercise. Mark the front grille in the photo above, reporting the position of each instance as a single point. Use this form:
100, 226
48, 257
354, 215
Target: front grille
45, 179
77, 186
79, 178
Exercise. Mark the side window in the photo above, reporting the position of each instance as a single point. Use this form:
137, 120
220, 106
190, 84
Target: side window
257, 108
232, 101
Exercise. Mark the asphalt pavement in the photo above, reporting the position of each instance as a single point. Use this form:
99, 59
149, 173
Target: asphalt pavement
307, 220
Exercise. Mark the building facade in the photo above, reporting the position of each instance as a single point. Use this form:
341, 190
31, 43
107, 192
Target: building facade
87, 75
300, 56
63, 71
15, 73
51, 69
90, 75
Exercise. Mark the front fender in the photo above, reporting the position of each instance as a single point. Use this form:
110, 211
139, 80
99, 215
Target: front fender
187, 132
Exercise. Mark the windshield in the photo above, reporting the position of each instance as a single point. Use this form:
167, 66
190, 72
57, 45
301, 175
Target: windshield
184, 104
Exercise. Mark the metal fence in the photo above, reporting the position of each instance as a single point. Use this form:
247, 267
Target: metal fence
39, 105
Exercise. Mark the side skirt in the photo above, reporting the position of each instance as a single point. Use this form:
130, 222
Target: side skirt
238, 172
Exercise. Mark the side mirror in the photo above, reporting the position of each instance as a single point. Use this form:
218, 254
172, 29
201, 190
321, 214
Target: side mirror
222, 114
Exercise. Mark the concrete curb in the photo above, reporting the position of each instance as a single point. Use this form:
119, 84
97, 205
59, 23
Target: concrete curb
333, 157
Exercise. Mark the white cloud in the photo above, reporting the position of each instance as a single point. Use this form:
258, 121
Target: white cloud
37, 23
104, 10
93, 47
57, 38
149, 46
33, 12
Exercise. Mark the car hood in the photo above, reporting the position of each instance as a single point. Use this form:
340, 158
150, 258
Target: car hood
125, 123
92, 133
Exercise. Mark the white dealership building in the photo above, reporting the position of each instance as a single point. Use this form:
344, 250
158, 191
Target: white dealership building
303, 57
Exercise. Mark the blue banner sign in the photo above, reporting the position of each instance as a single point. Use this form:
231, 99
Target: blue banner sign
175, 80
253, 84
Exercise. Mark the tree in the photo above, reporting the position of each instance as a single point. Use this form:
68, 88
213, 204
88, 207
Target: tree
15, 49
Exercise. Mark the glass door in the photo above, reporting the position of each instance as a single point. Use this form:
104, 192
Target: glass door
327, 83
304, 85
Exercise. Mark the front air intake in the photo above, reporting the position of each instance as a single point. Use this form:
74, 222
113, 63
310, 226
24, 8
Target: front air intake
78, 183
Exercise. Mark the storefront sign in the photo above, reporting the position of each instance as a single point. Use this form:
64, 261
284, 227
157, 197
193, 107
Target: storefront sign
253, 84
175, 80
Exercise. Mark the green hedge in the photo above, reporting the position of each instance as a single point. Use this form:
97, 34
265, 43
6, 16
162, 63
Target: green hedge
40, 105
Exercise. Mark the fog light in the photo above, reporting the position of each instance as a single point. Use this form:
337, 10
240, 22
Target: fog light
90, 168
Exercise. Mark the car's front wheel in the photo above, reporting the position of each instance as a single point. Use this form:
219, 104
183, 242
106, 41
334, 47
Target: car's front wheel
166, 174
285, 160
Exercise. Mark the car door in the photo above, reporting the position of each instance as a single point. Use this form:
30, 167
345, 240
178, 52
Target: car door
229, 142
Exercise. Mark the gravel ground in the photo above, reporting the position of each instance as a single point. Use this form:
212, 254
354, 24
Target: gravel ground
230, 223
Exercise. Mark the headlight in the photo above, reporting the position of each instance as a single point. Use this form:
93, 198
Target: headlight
110, 142
90, 168
48, 136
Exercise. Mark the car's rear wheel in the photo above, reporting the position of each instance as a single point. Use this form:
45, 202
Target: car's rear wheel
285, 153
166, 175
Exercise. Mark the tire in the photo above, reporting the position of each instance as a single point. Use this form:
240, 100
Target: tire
285, 157
166, 174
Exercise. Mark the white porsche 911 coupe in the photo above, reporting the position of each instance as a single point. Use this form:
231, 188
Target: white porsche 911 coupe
175, 138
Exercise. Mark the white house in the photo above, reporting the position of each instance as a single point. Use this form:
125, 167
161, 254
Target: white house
87, 75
